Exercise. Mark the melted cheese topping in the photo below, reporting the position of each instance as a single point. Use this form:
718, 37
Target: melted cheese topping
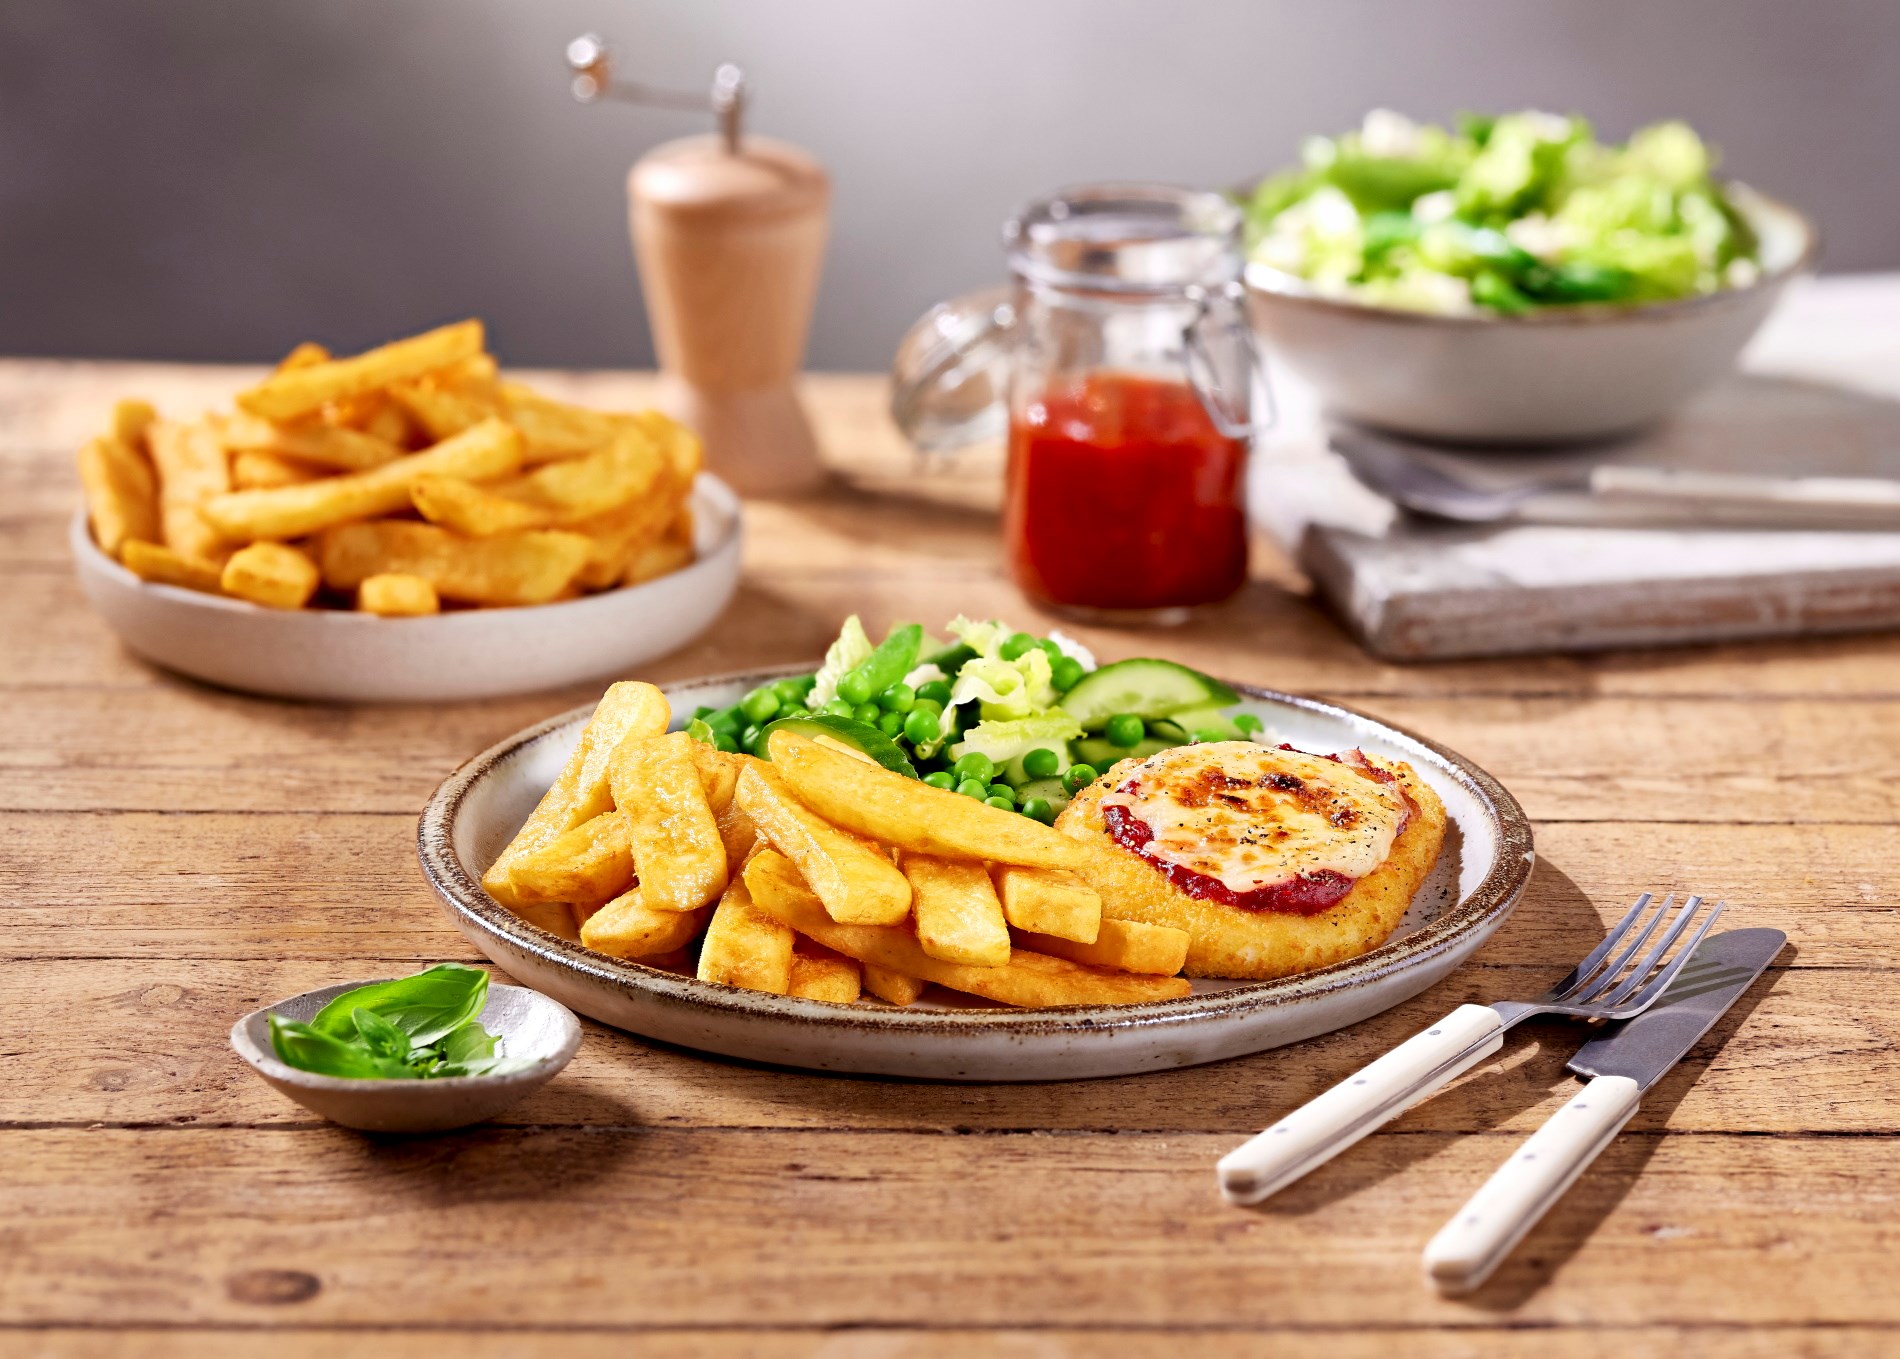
1251, 817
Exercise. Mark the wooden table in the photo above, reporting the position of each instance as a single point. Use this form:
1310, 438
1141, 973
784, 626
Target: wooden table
177, 855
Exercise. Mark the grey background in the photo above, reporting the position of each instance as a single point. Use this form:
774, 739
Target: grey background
214, 179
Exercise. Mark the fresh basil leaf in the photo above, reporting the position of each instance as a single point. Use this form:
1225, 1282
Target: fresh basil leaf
426, 1006
384, 1038
308, 1049
469, 1042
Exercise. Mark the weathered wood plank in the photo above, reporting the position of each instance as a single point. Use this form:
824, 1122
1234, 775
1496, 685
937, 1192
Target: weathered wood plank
658, 1227
143, 1042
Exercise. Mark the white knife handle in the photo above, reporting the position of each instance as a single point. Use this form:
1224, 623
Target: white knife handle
1323, 1127
1522, 1190
1798, 499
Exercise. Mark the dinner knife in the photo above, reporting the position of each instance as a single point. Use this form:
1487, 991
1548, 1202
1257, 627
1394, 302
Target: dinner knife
1622, 1064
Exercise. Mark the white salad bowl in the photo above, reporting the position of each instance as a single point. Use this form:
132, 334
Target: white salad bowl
1550, 376
336, 655
529, 1025
1472, 889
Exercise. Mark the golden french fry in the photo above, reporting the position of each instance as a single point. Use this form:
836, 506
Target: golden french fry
307, 354
681, 446
621, 535
130, 419
287, 394
627, 927
910, 814
553, 429
472, 510
959, 919
192, 470
396, 594
331, 446
443, 411
627, 711
253, 469
556, 495
556, 917
533, 567
159, 565
820, 974
663, 556
1049, 901
391, 424
893, 988
490, 449
585, 866
854, 878
271, 574
744, 946
1125, 945
738, 832
1031, 979
121, 494
678, 856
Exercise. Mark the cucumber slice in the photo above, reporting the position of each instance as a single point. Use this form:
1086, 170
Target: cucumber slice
1208, 719
1049, 789
1099, 754
1146, 687
850, 735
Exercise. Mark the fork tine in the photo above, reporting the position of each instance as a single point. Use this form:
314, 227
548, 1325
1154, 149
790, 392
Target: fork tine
1645, 998
1595, 985
1639, 974
1586, 969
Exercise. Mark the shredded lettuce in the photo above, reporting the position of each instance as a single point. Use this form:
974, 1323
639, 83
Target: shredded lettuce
924, 674
1005, 742
1006, 690
983, 636
853, 645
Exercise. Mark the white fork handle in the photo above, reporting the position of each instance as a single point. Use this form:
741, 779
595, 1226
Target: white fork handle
1522, 1190
1319, 1130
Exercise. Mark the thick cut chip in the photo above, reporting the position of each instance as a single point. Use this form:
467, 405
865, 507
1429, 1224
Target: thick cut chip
628, 710
1028, 979
627, 927
554, 429
307, 354
820, 974
443, 410
292, 392
744, 946
491, 449
159, 565
336, 447
271, 574
678, 857
959, 918
666, 554
558, 495
253, 469
587, 865
531, 567
621, 535
854, 878
121, 494
912, 815
193, 469
1125, 945
470, 509
397, 594
894, 988
1049, 901
130, 420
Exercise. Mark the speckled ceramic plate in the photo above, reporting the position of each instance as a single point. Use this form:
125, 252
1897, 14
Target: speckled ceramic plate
1477, 881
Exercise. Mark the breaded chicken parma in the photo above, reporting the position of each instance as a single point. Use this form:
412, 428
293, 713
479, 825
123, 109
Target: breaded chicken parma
1273, 860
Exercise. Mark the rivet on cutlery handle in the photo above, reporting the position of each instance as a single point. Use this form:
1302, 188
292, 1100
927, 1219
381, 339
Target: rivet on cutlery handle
1322, 1128
1476, 1241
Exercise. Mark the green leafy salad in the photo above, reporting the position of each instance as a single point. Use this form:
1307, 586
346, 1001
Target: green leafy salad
413, 1027
1017, 721
1504, 215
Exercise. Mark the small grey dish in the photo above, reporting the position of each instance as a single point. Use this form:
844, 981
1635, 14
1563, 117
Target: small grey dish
528, 1023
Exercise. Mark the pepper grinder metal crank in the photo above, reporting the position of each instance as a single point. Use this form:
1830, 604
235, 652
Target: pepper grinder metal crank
729, 236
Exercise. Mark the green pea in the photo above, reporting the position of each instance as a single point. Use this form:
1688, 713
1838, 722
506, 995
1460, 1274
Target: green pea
973, 788
1248, 723
920, 726
854, 689
789, 693
942, 778
1003, 790
891, 724
1208, 734
1040, 763
899, 698
1048, 647
1066, 673
934, 691
725, 741
750, 736
761, 705
703, 711
867, 713
1078, 776
1124, 730
1002, 804
837, 707
977, 766
1038, 809
1016, 644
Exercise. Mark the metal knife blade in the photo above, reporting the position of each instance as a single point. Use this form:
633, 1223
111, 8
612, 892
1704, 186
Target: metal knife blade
1646, 1047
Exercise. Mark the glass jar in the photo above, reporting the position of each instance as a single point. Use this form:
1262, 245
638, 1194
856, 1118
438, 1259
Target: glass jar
1120, 365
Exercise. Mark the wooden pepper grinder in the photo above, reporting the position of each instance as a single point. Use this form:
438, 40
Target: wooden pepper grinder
729, 236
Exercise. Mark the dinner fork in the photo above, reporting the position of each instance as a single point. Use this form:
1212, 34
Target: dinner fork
1616, 981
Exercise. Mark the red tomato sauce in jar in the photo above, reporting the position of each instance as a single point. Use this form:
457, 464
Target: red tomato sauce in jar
1123, 495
